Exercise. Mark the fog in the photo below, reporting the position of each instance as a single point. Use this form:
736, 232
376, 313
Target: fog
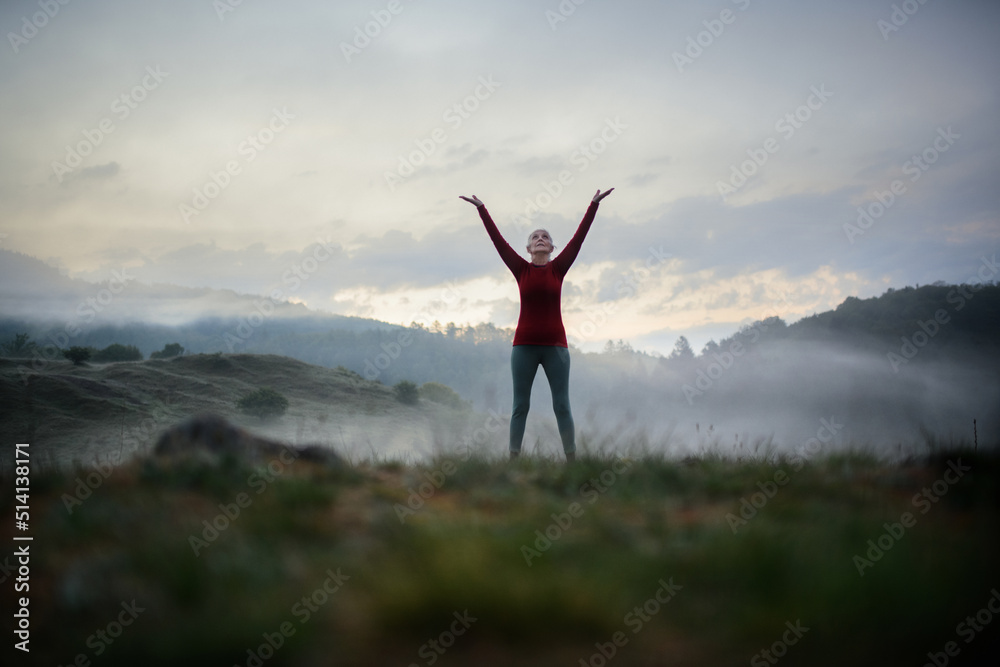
790, 397
33, 291
819, 391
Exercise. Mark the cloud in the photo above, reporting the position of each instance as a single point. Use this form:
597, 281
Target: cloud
639, 180
101, 171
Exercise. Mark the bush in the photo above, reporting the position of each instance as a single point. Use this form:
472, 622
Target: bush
407, 392
169, 350
78, 354
118, 352
441, 393
263, 403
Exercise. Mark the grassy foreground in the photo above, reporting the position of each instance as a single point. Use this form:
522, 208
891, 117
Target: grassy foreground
642, 561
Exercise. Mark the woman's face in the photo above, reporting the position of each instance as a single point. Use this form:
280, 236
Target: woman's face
540, 241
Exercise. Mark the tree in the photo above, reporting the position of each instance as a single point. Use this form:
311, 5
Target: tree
263, 403
406, 392
21, 346
118, 352
78, 354
621, 347
169, 350
682, 350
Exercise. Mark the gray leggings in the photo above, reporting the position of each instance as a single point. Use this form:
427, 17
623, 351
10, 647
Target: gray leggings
524, 361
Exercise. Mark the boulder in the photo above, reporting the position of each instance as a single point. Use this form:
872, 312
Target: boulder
213, 437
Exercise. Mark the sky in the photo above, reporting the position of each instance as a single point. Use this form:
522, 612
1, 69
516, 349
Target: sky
768, 157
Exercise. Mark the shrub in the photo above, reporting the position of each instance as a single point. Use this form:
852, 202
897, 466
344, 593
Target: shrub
407, 392
169, 350
78, 354
263, 403
118, 352
441, 393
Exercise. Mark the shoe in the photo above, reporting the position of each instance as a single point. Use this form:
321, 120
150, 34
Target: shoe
514, 455
571, 457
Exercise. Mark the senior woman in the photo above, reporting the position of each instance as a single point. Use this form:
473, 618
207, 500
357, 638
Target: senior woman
540, 338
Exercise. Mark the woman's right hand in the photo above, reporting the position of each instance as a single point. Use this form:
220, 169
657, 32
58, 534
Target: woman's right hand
472, 200
601, 195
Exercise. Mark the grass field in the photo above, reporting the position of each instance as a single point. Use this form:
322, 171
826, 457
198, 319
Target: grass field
843, 560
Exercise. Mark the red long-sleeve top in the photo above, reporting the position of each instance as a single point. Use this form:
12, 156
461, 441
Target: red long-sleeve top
540, 321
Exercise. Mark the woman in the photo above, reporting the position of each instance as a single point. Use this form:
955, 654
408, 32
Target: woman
540, 337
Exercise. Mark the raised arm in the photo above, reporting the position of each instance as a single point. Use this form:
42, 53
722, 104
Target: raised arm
514, 262
572, 249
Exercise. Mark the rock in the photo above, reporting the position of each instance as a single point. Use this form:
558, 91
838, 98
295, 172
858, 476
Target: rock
211, 436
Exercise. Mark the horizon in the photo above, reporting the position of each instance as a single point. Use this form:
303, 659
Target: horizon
697, 344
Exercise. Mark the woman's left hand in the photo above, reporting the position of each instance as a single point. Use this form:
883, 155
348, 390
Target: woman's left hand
599, 196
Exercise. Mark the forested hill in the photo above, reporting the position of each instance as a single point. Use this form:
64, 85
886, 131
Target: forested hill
955, 318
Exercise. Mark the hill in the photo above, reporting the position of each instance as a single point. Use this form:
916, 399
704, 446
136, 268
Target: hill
38, 297
959, 318
116, 410
900, 371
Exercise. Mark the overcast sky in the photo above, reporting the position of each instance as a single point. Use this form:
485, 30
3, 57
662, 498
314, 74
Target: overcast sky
318, 149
